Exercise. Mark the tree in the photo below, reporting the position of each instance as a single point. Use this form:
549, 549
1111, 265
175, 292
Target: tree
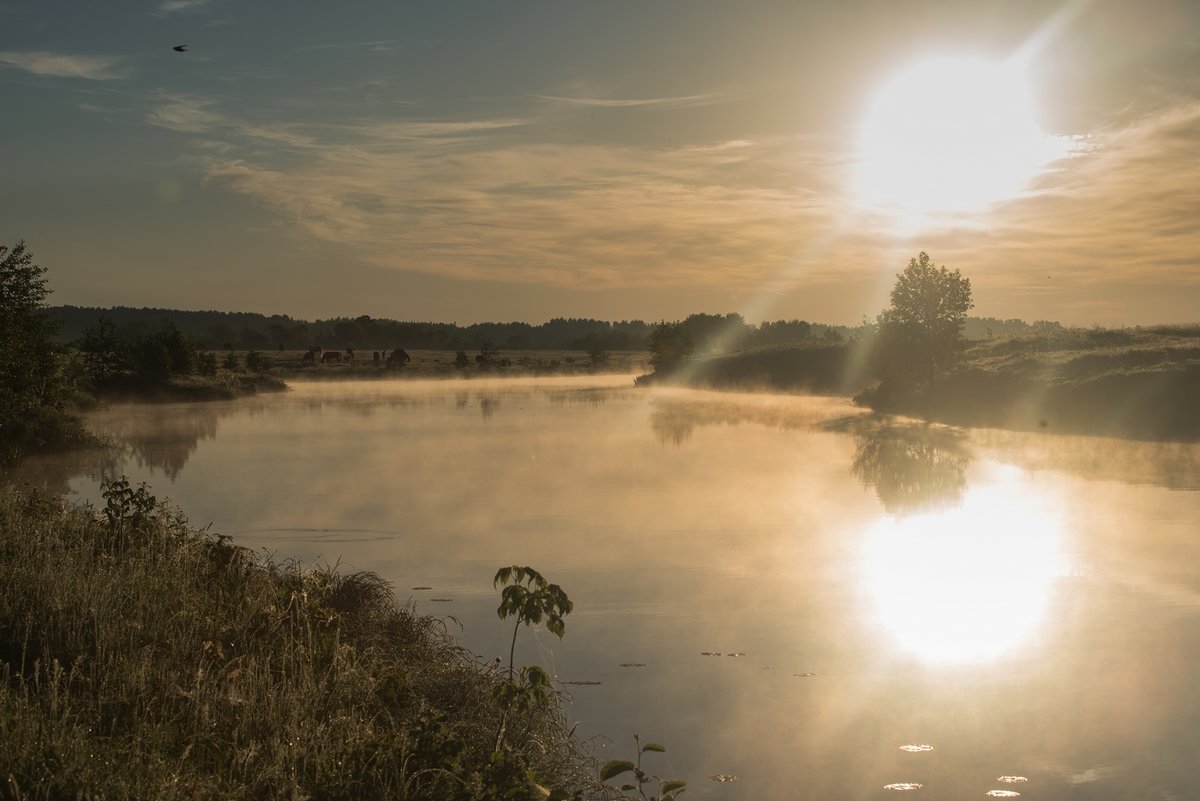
105, 356
32, 413
670, 346
920, 334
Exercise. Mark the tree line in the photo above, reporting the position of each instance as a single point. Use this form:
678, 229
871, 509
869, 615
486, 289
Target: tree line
215, 330
50, 352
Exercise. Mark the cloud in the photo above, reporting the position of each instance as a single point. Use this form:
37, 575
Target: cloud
1107, 236
706, 99
66, 65
376, 46
185, 113
177, 6
505, 198
473, 200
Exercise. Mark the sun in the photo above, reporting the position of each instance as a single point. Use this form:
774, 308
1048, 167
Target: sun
949, 135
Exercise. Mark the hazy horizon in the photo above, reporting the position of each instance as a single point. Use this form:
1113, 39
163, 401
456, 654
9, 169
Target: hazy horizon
470, 162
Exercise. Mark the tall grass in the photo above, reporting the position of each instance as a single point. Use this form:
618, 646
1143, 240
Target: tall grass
141, 658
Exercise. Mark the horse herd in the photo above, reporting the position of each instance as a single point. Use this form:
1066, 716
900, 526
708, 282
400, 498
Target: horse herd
396, 358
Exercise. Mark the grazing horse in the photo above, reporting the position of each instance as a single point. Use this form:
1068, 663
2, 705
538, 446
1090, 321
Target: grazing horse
398, 358
331, 356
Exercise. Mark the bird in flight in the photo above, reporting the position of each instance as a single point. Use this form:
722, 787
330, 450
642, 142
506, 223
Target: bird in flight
180, 48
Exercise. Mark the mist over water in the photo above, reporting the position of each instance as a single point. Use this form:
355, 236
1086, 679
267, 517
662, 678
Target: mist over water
815, 600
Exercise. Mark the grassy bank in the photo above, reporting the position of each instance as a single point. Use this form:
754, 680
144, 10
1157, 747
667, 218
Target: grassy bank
141, 658
817, 368
1139, 383
225, 385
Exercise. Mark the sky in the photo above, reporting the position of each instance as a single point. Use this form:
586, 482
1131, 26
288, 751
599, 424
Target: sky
464, 161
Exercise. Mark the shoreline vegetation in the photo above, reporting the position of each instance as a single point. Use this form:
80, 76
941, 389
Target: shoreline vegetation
1136, 383
144, 658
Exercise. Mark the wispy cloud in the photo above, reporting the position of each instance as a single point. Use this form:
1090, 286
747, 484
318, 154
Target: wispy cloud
66, 65
500, 198
375, 46
185, 113
466, 198
706, 99
177, 6
1105, 236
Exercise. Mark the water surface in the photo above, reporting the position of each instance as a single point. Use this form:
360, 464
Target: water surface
801, 600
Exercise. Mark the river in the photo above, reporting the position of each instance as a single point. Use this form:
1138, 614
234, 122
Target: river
800, 600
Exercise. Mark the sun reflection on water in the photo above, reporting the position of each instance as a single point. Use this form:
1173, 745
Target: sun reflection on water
970, 582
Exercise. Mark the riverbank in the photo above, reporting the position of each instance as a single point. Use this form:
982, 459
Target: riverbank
143, 658
292, 364
1139, 383
1131, 383
225, 385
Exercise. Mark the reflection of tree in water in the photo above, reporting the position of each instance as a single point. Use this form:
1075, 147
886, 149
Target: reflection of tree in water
672, 424
161, 438
674, 419
587, 396
53, 472
911, 467
488, 404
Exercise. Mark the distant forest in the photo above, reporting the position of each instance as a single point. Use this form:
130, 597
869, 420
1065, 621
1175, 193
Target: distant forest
248, 331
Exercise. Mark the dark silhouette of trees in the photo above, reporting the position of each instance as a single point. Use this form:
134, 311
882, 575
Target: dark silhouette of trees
670, 347
921, 333
102, 352
137, 356
32, 395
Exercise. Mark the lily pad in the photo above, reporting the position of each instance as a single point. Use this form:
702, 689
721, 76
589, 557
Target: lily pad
903, 786
1003, 793
1012, 779
916, 748
723, 777
632, 664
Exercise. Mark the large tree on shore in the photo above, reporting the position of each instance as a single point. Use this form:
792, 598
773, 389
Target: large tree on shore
31, 391
921, 332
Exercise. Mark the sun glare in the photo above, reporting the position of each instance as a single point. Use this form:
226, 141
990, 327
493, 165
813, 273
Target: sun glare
969, 583
949, 136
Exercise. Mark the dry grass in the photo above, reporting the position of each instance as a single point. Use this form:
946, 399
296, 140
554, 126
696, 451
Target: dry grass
140, 658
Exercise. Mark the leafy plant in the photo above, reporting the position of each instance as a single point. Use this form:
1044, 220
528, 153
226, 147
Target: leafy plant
529, 598
124, 504
668, 789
